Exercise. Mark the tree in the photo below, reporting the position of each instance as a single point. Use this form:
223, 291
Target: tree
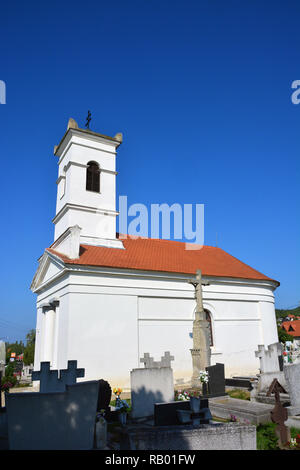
28, 357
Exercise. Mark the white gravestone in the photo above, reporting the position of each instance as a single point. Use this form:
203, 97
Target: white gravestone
269, 366
292, 376
150, 385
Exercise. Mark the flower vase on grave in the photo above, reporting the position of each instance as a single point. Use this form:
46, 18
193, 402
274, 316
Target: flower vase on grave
203, 376
122, 407
122, 417
195, 404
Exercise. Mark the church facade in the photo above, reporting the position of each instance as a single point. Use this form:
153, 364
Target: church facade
105, 300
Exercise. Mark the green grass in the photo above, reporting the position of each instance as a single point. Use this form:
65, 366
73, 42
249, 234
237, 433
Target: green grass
294, 432
266, 438
238, 393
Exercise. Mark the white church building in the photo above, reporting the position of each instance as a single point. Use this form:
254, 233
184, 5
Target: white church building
105, 301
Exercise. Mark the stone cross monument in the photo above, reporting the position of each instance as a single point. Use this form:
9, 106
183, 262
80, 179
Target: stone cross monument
201, 334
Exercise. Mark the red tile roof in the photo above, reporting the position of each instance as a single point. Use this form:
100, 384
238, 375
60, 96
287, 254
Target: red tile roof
164, 255
291, 327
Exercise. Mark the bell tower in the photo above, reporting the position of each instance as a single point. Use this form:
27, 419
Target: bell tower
86, 188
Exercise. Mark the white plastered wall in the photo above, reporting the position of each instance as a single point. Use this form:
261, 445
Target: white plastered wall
108, 320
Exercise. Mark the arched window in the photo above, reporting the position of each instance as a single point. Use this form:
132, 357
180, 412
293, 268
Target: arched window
208, 318
93, 177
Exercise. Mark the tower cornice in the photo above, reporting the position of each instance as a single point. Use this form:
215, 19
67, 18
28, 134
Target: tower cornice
89, 135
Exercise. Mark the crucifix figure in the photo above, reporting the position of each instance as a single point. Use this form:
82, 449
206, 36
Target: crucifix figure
201, 333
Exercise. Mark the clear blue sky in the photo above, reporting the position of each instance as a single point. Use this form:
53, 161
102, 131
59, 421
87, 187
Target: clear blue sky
201, 90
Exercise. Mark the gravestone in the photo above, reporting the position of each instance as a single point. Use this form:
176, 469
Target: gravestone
152, 384
63, 420
216, 381
270, 366
292, 376
49, 380
165, 414
164, 362
269, 358
253, 412
104, 396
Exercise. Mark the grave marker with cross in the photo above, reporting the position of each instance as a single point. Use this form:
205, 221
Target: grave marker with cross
149, 362
49, 380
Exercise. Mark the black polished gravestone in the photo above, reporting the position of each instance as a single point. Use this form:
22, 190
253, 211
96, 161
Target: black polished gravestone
216, 381
103, 404
104, 396
0, 389
165, 414
49, 380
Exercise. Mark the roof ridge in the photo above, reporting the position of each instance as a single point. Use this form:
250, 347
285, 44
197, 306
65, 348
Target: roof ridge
137, 237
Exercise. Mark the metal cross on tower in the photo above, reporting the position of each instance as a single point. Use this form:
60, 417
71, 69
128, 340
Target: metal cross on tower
88, 120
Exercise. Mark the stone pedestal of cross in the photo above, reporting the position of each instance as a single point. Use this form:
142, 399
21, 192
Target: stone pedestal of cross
49, 380
201, 334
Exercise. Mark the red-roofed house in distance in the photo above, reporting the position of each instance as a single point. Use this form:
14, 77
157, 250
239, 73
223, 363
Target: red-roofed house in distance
292, 328
105, 300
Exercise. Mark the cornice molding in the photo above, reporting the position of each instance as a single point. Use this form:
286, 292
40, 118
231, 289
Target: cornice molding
66, 141
168, 276
79, 207
61, 177
81, 165
45, 259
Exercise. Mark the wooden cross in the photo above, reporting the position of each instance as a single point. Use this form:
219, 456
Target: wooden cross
279, 413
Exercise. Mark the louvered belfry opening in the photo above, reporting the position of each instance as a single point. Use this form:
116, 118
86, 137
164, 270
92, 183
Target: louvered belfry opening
93, 177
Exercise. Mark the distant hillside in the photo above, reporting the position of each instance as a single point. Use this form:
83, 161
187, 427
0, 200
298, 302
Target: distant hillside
281, 313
